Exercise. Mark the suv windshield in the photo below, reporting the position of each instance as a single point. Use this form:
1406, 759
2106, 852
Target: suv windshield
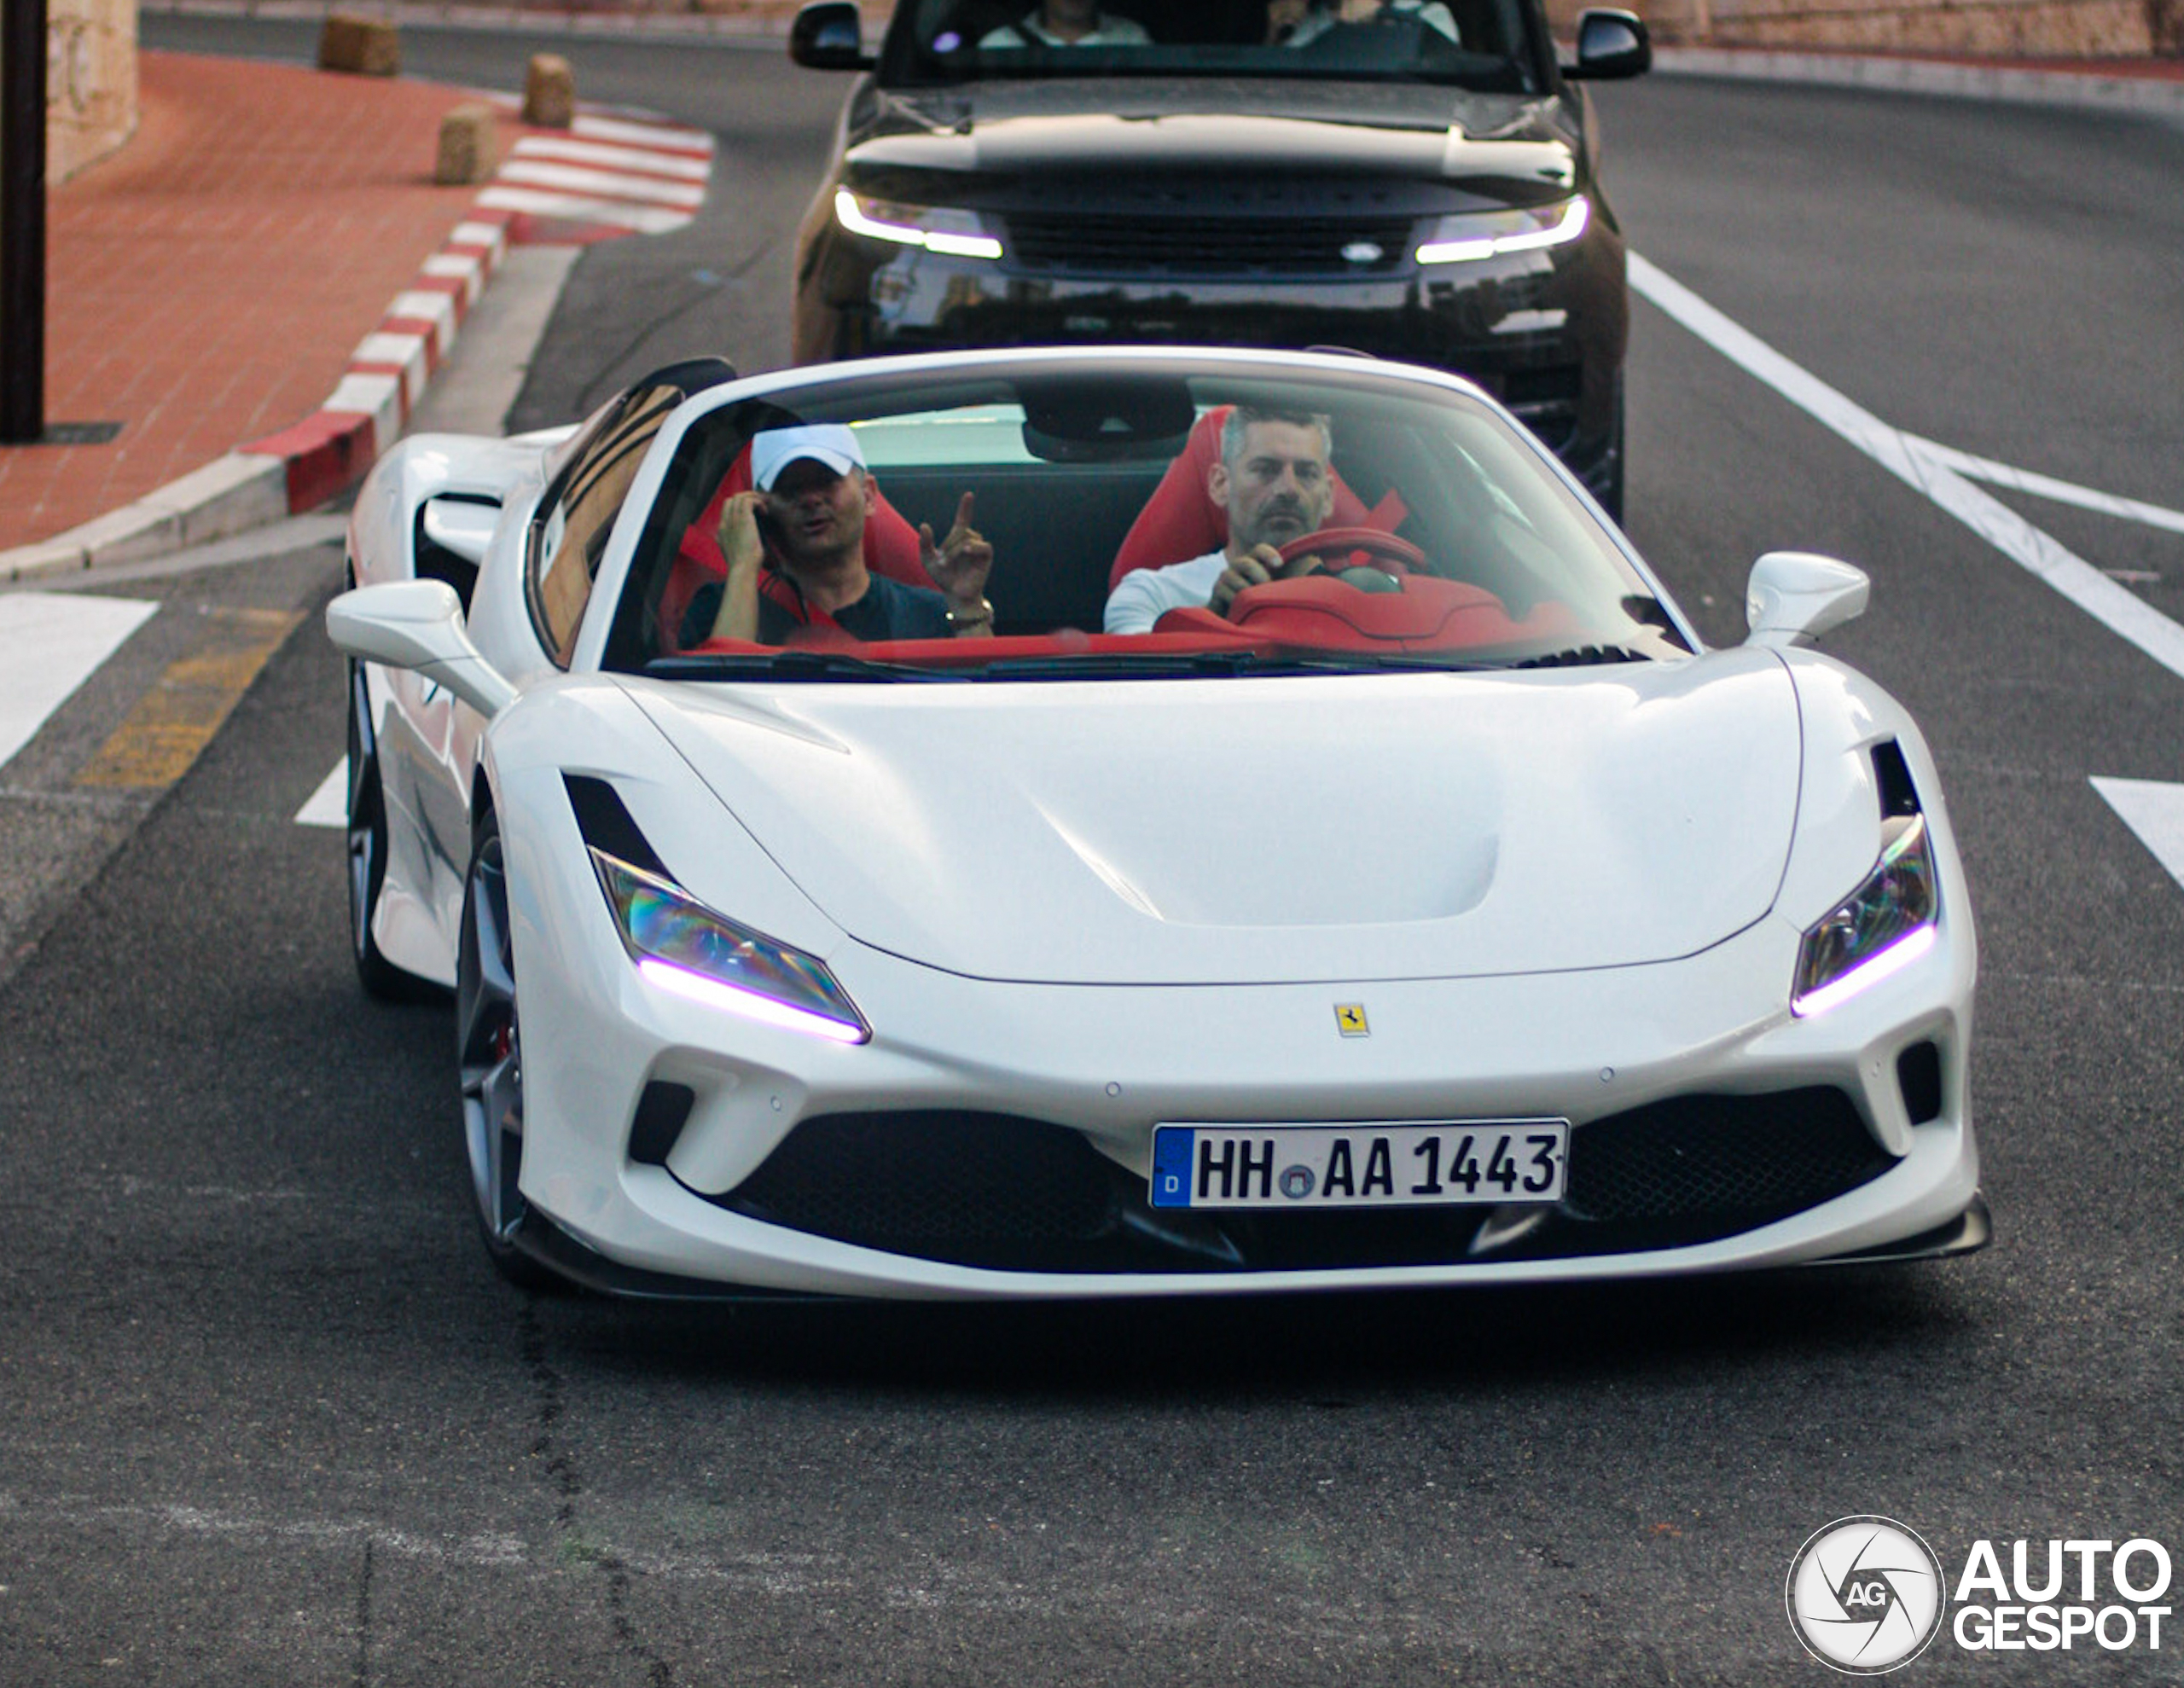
1480, 44
1128, 516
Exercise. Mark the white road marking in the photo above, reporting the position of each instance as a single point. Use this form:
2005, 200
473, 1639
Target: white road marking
51, 642
1912, 461
2045, 486
2154, 810
661, 138
618, 213
572, 178
328, 806
615, 158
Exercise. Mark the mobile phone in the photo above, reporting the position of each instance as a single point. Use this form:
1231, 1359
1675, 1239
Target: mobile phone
769, 532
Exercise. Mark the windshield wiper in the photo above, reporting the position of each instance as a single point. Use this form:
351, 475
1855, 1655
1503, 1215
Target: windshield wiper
1583, 656
1133, 664
798, 664
1214, 663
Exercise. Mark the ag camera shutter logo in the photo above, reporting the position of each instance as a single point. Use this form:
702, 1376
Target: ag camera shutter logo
1866, 1595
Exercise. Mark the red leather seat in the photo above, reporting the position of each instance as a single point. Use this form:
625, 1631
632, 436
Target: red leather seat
1181, 520
890, 548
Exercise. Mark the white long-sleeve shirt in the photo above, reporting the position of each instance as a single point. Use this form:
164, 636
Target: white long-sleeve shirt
1142, 596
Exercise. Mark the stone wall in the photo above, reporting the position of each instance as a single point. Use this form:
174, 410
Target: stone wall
2032, 29
90, 82
2045, 29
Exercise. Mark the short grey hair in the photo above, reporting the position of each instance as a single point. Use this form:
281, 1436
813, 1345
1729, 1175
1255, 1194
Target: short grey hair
1241, 416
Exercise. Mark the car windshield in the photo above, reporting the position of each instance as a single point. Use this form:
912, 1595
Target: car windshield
1371, 523
1480, 44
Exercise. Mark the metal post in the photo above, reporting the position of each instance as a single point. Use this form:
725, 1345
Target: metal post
22, 220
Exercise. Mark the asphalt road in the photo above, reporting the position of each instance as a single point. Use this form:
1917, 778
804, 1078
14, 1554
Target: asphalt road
269, 1417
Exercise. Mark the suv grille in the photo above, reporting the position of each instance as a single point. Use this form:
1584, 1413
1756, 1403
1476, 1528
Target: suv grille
1283, 246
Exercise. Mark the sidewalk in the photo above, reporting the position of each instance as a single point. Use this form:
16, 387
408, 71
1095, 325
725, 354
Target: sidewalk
206, 284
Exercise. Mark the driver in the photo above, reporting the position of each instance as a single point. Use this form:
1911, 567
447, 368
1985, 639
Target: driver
1068, 23
810, 495
1298, 23
1273, 479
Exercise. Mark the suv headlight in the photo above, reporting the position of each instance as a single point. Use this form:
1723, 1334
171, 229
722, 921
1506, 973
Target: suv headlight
682, 946
1880, 928
960, 234
1493, 234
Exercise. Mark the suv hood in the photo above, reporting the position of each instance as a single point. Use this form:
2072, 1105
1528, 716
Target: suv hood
1503, 147
1275, 829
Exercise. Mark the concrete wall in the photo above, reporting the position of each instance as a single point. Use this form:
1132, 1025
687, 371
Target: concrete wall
2034, 29
90, 82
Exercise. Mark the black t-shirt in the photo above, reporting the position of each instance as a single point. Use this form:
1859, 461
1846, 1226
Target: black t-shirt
888, 610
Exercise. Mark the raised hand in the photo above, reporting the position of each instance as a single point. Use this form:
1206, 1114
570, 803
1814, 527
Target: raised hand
960, 563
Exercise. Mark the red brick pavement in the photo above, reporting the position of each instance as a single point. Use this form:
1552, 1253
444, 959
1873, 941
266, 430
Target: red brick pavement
206, 284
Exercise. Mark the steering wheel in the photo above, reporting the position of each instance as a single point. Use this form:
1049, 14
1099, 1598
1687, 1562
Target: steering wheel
1375, 542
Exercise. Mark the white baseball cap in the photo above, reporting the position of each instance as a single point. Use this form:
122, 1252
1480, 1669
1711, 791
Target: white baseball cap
828, 443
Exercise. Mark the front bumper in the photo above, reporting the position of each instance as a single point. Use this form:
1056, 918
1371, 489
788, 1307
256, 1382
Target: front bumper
1101, 1065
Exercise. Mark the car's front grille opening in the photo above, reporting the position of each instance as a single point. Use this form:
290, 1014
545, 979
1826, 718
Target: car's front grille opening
1208, 245
936, 1183
662, 1112
1919, 1074
1898, 796
1722, 1163
1002, 1192
606, 824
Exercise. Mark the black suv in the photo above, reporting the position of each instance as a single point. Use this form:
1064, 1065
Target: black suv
1409, 179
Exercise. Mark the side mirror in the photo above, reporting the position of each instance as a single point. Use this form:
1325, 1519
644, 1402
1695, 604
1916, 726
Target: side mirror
418, 625
462, 526
829, 35
1794, 596
1611, 45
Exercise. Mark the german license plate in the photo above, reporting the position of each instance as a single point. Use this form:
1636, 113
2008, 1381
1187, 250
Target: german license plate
1446, 1163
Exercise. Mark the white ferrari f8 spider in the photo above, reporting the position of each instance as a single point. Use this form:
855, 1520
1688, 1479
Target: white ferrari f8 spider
1302, 847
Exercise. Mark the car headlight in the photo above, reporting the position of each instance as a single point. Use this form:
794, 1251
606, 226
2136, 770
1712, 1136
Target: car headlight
1880, 928
1493, 234
960, 234
681, 945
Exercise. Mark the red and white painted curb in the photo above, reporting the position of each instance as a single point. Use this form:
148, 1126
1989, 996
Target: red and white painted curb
330, 450
610, 175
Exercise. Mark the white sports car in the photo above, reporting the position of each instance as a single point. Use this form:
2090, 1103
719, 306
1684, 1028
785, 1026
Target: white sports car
1436, 909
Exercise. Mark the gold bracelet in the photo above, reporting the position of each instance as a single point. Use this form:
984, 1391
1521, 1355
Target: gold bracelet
980, 617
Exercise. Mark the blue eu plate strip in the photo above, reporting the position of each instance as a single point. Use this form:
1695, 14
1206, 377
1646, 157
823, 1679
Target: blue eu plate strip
1171, 1166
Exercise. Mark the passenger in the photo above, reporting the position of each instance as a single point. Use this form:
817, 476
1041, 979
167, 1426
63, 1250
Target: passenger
1068, 23
1274, 480
1298, 23
795, 550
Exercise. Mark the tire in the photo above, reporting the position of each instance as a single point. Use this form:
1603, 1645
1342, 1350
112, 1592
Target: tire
380, 977
489, 1054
